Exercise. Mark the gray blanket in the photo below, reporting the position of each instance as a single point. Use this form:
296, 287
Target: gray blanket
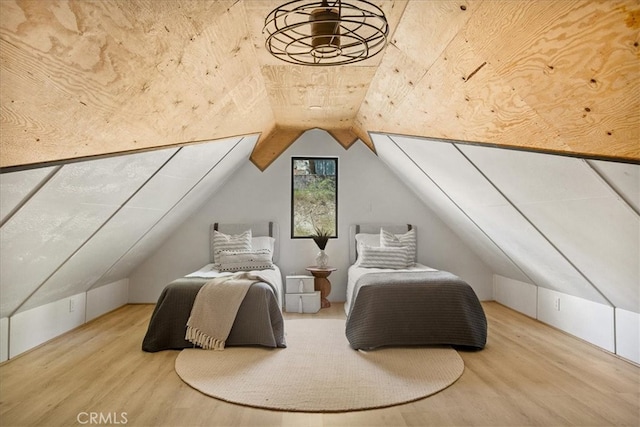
258, 321
415, 308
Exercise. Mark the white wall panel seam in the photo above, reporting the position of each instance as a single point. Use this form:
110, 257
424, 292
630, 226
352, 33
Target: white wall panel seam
8, 336
461, 209
612, 187
615, 332
29, 195
535, 227
165, 214
105, 222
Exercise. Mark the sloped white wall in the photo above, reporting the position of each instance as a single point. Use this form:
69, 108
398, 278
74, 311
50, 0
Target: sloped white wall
432, 195
493, 213
367, 192
577, 212
15, 188
623, 178
562, 234
61, 217
221, 165
77, 230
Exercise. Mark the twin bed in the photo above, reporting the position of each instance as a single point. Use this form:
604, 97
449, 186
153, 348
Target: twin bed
259, 318
391, 304
391, 299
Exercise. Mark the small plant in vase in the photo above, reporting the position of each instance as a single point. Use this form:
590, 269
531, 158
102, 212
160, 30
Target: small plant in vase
321, 237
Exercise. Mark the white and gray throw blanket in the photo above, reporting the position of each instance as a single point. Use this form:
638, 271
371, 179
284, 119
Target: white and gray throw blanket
215, 307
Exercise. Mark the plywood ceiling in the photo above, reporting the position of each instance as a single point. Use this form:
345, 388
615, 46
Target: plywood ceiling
85, 78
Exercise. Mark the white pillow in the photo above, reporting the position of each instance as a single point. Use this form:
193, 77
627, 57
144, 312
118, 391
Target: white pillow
263, 242
407, 240
228, 242
383, 257
244, 260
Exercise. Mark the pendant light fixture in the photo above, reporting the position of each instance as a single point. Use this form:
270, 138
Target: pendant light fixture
321, 33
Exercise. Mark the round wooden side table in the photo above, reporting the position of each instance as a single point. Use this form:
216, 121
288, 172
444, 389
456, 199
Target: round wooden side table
321, 283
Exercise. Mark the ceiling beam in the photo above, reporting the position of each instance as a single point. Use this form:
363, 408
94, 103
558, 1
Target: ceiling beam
273, 143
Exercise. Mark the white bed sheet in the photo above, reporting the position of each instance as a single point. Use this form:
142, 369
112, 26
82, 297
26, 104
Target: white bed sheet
355, 272
274, 276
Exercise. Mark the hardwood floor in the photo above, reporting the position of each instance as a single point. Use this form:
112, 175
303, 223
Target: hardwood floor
529, 374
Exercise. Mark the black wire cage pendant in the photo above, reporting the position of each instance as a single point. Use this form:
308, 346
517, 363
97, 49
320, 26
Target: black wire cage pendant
326, 32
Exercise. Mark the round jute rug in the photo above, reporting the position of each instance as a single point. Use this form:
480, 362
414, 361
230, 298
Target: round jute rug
319, 372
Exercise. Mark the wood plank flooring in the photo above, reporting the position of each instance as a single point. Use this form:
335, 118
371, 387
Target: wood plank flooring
528, 375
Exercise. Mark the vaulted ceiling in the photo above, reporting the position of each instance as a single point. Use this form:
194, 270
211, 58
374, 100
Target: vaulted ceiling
90, 78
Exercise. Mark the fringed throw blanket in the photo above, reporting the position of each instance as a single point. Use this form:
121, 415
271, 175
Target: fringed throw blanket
214, 309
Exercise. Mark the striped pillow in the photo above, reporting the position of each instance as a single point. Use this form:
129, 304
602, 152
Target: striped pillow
407, 240
227, 242
380, 257
366, 239
244, 260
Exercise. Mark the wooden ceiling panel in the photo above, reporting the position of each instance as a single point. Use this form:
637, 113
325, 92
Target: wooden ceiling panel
427, 28
256, 12
574, 63
469, 101
397, 76
116, 77
424, 31
462, 98
92, 78
324, 97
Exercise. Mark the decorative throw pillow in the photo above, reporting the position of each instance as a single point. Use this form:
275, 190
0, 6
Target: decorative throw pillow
228, 242
244, 260
381, 257
263, 242
366, 239
407, 240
